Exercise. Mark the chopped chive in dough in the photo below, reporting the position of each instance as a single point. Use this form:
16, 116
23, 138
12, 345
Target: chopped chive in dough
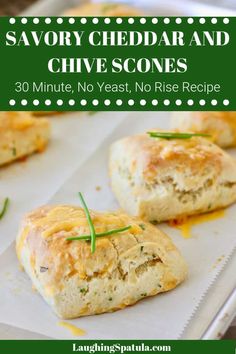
142, 226
4, 207
144, 294
172, 135
83, 290
141, 248
43, 269
14, 153
110, 299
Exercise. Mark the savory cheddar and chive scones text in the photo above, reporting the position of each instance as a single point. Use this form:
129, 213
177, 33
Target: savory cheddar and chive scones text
103, 9
124, 268
220, 125
167, 176
21, 135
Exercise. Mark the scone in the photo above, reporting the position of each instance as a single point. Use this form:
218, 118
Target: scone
159, 180
125, 267
21, 135
220, 125
103, 9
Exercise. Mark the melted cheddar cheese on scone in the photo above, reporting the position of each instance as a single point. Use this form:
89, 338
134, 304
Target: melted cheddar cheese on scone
103, 9
158, 179
220, 125
21, 135
125, 267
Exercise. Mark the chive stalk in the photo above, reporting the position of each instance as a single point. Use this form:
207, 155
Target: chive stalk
4, 208
91, 226
106, 233
175, 135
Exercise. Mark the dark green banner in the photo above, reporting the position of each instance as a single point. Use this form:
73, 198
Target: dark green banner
118, 346
148, 63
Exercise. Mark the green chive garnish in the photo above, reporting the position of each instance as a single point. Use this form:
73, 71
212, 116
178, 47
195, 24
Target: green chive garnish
91, 226
4, 208
172, 135
93, 234
106, 233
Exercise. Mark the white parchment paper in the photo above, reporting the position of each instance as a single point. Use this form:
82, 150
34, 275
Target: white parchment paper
163, 316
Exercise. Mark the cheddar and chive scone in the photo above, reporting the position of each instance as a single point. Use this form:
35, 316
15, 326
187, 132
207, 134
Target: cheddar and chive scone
125, 267
103, 9
220, 125
21, 135
161, 179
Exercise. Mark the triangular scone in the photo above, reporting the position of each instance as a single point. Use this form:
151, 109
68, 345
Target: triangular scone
220, 125
124, 269
103, 9
159, 180
21, 135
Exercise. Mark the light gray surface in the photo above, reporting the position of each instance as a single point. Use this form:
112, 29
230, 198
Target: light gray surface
223, 3
9, 332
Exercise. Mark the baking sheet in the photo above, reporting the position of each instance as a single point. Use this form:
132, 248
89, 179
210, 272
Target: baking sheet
167, 8
74, 137
163, 316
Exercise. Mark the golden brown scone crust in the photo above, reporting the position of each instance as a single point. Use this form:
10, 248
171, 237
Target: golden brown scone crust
125, 267
20, 135
103, 9
44, 113
159, 180
220, 125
